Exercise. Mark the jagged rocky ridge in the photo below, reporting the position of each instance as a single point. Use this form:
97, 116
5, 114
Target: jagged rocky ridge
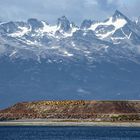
69, 110
97, 60
35, 39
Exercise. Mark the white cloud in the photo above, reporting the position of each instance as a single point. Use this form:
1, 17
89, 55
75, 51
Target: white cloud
76, 10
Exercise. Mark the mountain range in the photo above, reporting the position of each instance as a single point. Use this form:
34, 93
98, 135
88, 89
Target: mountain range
96, 60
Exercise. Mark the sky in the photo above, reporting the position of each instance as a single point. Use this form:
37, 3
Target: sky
75, 10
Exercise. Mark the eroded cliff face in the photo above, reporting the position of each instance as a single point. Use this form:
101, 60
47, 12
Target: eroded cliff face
80, 109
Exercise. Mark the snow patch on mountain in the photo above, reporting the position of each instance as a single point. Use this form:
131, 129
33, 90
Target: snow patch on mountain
50, 30
119, 23
22, 32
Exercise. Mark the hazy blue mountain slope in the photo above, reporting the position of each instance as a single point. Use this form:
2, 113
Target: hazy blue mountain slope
98, 60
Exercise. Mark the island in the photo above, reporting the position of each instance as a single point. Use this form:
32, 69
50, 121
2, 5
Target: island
72, 112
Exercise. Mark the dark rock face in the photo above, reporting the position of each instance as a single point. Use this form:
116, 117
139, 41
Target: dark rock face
104, 29
9, 27
34, 23
94, 110
86, 24
64, 24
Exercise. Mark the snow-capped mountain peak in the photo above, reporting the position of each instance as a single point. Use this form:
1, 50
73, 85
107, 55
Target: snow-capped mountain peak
65, 28
108, 27
67, 39
119, 15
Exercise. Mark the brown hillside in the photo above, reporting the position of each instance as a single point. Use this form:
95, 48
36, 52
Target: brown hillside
95, 110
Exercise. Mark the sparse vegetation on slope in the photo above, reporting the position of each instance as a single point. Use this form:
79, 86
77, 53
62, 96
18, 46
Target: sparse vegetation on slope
92, 110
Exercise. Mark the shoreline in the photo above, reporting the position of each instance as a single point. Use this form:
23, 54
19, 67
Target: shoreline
68, 123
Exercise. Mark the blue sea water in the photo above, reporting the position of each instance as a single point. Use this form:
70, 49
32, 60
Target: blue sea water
69, 133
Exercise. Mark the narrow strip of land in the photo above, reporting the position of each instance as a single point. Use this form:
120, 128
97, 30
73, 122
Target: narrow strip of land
67, 123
